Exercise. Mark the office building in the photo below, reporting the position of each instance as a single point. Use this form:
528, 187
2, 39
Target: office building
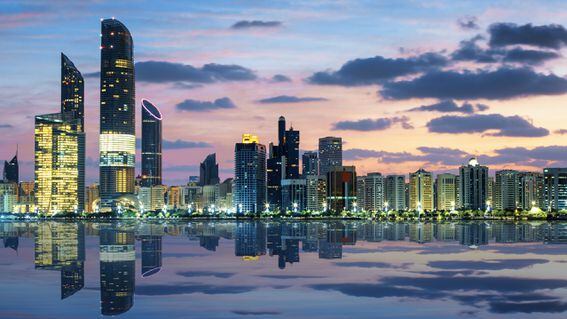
531, 190
93, 198
421, 190
58, 137
310, 164
341, 188
446, 192
151, 144
152, 197
394, 186
209, 171
330, 153
249, 175
117, 140
473, 186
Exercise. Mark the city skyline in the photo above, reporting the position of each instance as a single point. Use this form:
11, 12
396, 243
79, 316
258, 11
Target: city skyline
222, 85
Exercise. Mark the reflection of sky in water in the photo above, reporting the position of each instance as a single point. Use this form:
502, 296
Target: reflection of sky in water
315, 270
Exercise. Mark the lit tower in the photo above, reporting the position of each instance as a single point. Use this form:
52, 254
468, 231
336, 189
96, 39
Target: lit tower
117, 112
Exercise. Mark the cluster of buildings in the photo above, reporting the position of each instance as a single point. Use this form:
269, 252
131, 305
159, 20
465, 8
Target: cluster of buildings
269, 178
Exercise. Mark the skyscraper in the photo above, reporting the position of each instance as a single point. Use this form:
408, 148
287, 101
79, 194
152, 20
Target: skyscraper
283, 162
11, 170
151, 144
117, 112
58, 138
421, 190
473, 186
555, 188
446, 191
316, 187
395, 192
341, 188
73, 101
209, 171
249, 175
294, 194
330, 153
310, 164
531, 190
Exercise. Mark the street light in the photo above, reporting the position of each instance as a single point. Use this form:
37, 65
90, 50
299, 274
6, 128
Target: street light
295, 207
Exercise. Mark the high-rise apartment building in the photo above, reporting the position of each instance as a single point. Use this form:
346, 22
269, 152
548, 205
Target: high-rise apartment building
330, 153
373, 192
446, 191
395, 192
421, 190
473, 186
555, 188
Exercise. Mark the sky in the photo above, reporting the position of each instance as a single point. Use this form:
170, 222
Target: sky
406, 84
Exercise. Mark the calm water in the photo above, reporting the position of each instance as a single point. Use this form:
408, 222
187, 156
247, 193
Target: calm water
283, 270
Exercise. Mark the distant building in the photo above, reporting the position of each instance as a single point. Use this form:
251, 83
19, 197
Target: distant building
507, 190
224, 200
316, 187
175, 198
446, 191
210, 195
555, 188
209, 171
373, 192
360, 195
93, 198
310, 163
151, 144
531, 190
473, 186
341, 188
249, 175
152, 197
58, 139
330, 153
421, 190
394, 186
11, 170
294, 194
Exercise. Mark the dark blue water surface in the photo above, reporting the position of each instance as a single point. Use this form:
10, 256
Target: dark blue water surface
332, 269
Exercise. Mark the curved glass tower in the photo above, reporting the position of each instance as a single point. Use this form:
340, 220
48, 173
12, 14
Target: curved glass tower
151, 144
117, 112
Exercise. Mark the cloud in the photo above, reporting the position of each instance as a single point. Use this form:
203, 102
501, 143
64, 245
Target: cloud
469, 50
369, 264
290, 99
379, 124
500, 84
6, 126
560, 132
164, 72
532, 57
554, 306
513, 126
552, 36
248, 24
278, 78
182, 144
377, 70
449, 106
468, 23
205, 106
432, 155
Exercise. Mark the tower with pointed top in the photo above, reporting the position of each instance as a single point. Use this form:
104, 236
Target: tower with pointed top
11, 170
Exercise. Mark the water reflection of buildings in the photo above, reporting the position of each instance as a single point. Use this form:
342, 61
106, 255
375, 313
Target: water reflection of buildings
117, 268
61, 247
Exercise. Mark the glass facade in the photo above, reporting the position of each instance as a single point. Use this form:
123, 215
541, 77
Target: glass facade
330, 153
151, 144
117, 112
58, 138
249, 176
